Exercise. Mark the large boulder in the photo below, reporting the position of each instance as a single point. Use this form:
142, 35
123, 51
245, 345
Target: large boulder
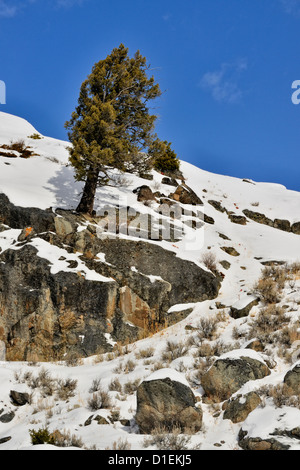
238, 408
230, 372
165, 400
292, 379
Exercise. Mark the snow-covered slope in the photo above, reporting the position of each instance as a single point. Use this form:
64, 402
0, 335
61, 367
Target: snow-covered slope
46, 180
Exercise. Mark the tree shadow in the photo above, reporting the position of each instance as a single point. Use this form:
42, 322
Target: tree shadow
66, 189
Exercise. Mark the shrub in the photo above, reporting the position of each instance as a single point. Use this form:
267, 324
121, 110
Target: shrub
269, 319
281, 394
56, 438
166, 439
120, 445
35, 136
212, 349
209, 261
95, 387
99, 400
207, 327
267, 290
145, 353
115, 385
173, 351
66, 389
66, 439
41, 436
129, 366
131, 386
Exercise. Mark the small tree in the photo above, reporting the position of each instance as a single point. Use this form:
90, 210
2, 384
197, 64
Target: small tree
112, 123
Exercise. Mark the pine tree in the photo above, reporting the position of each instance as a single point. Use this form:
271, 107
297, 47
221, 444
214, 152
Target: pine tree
111, 124
164, 159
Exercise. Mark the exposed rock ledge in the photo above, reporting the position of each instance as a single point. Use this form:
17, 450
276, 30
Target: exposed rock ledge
102, 289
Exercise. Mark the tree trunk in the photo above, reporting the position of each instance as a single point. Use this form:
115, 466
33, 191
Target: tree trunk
86, 204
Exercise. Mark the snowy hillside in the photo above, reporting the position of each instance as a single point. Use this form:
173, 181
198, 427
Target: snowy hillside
46, 180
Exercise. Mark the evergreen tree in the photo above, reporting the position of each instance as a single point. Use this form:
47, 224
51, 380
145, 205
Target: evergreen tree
111, 124
164, 159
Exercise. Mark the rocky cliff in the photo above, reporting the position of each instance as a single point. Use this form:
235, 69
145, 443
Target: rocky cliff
66, 290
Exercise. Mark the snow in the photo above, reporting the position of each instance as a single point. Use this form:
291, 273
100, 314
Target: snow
53, 254
262, 422
239, 353
47, 180
244, 301
167, 373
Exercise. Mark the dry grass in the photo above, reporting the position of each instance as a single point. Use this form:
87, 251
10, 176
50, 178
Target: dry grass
169, 439
281, 394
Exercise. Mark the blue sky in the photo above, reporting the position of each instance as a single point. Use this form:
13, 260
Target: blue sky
226, 66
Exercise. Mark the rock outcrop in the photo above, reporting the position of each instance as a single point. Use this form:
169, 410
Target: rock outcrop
64, 286
280, 224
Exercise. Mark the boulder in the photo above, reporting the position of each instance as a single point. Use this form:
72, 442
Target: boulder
243, 307
45, 314
217, 205
5, 439
144, 193
257, 443
226, 265
7, 417
284, 225
296, 228
292, 379
230, 372
238, 408
169, 181
230, 250
185, 195
165, 400
238, 219
150, 260
258, 217
19, 398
